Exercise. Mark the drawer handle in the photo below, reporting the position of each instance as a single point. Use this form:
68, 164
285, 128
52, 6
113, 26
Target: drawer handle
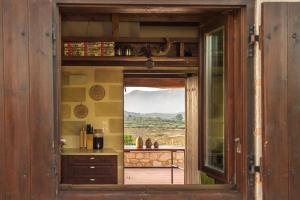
92, 167
92, 179
92, 158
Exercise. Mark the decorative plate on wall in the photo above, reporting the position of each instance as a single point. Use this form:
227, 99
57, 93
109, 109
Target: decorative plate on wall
81, 111
97, 92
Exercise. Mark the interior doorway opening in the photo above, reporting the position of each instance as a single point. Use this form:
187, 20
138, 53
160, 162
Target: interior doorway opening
154, 134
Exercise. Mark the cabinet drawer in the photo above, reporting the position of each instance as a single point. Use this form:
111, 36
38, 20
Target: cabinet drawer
92, 180
77, 171
92, 160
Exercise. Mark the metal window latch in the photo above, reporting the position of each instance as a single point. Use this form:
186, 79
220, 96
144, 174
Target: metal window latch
238, 145
252, 167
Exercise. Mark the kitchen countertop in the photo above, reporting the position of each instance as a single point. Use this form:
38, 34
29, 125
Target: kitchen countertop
74, 151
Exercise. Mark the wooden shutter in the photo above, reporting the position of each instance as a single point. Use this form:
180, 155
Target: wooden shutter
26, 100
281, 100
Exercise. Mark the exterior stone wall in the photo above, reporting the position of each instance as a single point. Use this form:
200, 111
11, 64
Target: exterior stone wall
153, 159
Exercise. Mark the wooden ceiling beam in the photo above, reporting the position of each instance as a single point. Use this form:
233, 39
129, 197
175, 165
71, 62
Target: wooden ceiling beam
155, 82
161, 17
178, 18
115, 25
142, 9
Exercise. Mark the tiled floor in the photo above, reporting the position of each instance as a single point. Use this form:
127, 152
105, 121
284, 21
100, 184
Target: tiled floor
152, 176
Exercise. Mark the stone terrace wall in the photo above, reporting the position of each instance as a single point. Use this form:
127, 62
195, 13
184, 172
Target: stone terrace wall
153, 159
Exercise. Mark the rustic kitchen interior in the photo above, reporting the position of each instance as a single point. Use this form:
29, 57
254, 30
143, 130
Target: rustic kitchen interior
104, 51
264, 97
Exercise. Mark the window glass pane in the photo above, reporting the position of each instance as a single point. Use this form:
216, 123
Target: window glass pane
214, 99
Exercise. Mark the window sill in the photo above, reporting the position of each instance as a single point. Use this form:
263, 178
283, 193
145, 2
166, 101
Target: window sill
145, 188
148, 192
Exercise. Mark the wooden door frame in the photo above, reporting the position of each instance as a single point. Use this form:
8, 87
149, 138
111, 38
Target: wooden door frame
214, 192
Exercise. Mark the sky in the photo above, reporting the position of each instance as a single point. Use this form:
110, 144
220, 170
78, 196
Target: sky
154, 100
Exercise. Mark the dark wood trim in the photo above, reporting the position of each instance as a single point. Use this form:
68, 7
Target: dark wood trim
141, 75
148, 9
130, 194
207, 3
218, 175
177, 18
105, 188
171, 23
166, 72
155, 82
136, 192
204, 10
240, 75
163, 18
115, 25
2, 119
235, 101
129, 61
57, 65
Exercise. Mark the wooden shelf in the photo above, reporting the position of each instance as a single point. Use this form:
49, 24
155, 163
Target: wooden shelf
129, 61
128, 39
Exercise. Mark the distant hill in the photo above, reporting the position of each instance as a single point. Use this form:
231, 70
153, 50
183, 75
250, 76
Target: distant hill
156, 102
167, 116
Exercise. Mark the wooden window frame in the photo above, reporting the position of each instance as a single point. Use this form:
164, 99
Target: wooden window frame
229, 147
241, 190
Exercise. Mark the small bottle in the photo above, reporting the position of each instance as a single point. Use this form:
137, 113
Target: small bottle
89, 141
89, 137
84, 138
81, 138
89, 129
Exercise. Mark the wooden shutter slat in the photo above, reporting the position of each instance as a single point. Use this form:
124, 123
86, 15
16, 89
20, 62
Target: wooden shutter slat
294, 99
43, 178
2, 168
16, 100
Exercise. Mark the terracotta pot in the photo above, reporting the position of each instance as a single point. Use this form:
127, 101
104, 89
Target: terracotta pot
148, 143
139, 142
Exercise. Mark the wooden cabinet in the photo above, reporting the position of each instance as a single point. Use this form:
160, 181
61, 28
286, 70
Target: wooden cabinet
89, 169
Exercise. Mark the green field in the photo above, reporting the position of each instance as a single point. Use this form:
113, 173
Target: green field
169, 130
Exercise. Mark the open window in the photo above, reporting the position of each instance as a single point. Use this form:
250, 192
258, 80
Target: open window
214, 104
219, 97
215, 111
